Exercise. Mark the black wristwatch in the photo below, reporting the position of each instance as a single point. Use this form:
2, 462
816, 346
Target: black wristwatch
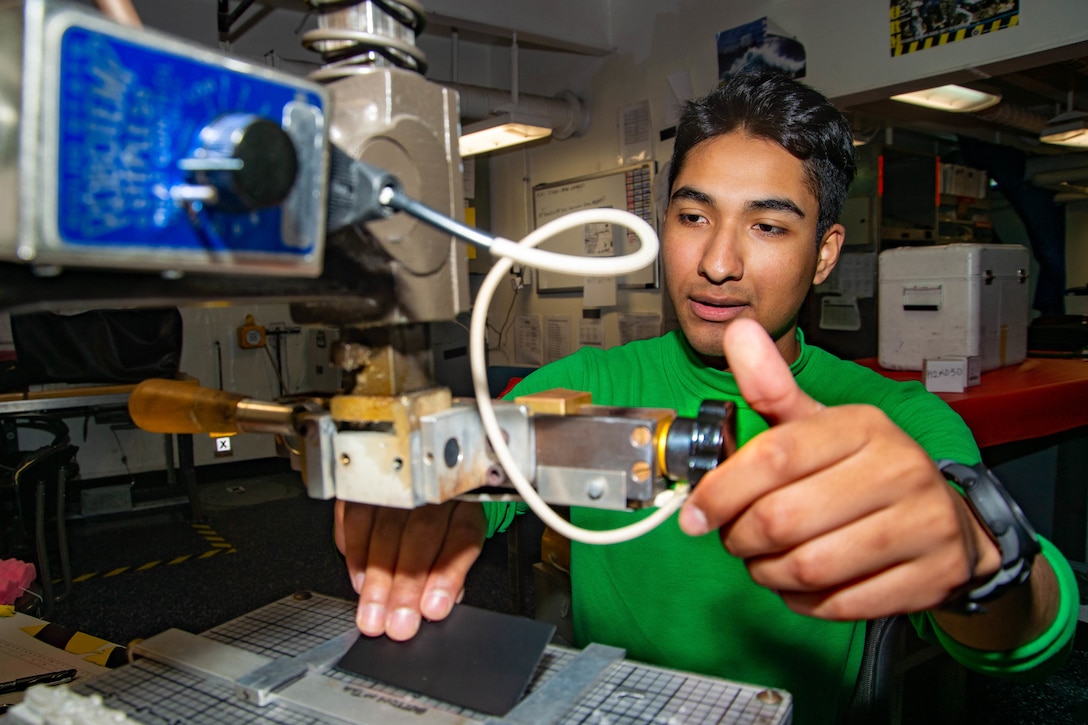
999, 513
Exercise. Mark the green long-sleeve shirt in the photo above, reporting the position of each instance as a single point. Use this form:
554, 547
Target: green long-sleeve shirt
684, 602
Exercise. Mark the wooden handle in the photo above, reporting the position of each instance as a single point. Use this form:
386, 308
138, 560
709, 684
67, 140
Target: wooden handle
170, 406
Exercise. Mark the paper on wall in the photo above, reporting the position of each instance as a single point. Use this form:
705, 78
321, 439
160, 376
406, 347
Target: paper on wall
680, 92
527, 340
557, 337
854, 276
591, 332
839, 313
638, 327
635, 140
599, 292
599, 240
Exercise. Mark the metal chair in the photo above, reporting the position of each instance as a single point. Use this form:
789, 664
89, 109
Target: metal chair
38, 480
894, 656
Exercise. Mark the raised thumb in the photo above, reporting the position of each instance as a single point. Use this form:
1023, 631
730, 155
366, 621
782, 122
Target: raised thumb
763, 376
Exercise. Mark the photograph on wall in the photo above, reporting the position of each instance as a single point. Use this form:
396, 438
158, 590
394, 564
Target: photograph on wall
921, 24
758, 45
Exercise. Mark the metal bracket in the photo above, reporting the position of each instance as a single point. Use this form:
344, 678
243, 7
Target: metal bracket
227, 17
293, 682
258, 685
549, 702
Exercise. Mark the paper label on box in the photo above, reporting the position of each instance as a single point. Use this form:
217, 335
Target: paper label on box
974, 370
945, 375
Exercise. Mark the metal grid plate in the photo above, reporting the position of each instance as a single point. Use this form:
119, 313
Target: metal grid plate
629, 692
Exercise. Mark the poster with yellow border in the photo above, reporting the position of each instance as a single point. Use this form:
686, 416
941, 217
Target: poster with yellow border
922, 24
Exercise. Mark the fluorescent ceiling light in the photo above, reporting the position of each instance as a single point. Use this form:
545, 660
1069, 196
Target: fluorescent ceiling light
950, 98
505, 129
1067, 129
863, 137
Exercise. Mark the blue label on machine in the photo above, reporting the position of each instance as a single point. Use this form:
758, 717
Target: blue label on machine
128, 114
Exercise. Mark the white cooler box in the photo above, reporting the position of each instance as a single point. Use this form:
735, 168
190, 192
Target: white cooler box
953, 300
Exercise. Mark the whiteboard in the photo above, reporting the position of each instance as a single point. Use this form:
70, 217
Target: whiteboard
629, 188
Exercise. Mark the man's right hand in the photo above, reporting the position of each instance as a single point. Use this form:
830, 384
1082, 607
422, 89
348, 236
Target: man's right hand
408, 564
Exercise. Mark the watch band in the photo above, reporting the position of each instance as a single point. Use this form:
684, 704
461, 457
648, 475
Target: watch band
1002, 517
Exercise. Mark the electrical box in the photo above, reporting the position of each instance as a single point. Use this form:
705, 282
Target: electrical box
140, 151
251, 335
953, 300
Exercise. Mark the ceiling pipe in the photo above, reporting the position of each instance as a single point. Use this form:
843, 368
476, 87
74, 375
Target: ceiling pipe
1013, 116
566, 112
1057, 176
455, 45
514, 70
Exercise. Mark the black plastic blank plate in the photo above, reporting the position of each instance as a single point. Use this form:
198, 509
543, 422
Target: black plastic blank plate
474, 658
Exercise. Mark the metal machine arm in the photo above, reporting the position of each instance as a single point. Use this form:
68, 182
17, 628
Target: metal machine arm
425, 447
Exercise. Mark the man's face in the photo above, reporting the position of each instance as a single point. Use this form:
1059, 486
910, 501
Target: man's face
740, 241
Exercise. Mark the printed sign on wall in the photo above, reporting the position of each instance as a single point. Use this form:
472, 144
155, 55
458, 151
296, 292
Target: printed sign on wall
921, 24
756, 46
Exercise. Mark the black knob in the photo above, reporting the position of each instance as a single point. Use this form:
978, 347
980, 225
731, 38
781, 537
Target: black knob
249, 160
695, 446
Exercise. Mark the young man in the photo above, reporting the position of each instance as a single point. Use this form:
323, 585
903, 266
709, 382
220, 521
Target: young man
831, 513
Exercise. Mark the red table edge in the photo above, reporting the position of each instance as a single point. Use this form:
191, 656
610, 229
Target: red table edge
1036, 398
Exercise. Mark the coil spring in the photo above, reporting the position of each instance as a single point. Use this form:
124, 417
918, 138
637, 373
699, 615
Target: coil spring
348, 50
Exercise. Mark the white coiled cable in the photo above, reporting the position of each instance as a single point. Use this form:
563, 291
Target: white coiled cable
525, 252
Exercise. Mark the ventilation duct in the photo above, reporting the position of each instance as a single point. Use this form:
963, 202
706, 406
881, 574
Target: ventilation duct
1013, 116
565, 111
1065, 173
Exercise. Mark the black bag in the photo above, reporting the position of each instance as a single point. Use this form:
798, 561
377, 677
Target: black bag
100, 346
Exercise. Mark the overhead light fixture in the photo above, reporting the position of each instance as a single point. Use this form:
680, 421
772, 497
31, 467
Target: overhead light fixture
506, 124
863, 136
865, 129
500, 131
957, 99
1067, 129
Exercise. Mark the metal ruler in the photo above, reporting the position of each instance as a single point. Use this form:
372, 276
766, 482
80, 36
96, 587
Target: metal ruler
276, 665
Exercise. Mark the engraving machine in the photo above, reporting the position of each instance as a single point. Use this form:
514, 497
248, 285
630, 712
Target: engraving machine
138, 169
145, 170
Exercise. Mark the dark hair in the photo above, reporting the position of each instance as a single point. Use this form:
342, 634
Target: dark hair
770, 105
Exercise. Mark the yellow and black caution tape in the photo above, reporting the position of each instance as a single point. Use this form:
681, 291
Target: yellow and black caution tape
214, 540
898, 47
93, 649
217, 544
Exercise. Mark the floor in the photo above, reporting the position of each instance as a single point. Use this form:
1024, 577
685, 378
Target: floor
262, 539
